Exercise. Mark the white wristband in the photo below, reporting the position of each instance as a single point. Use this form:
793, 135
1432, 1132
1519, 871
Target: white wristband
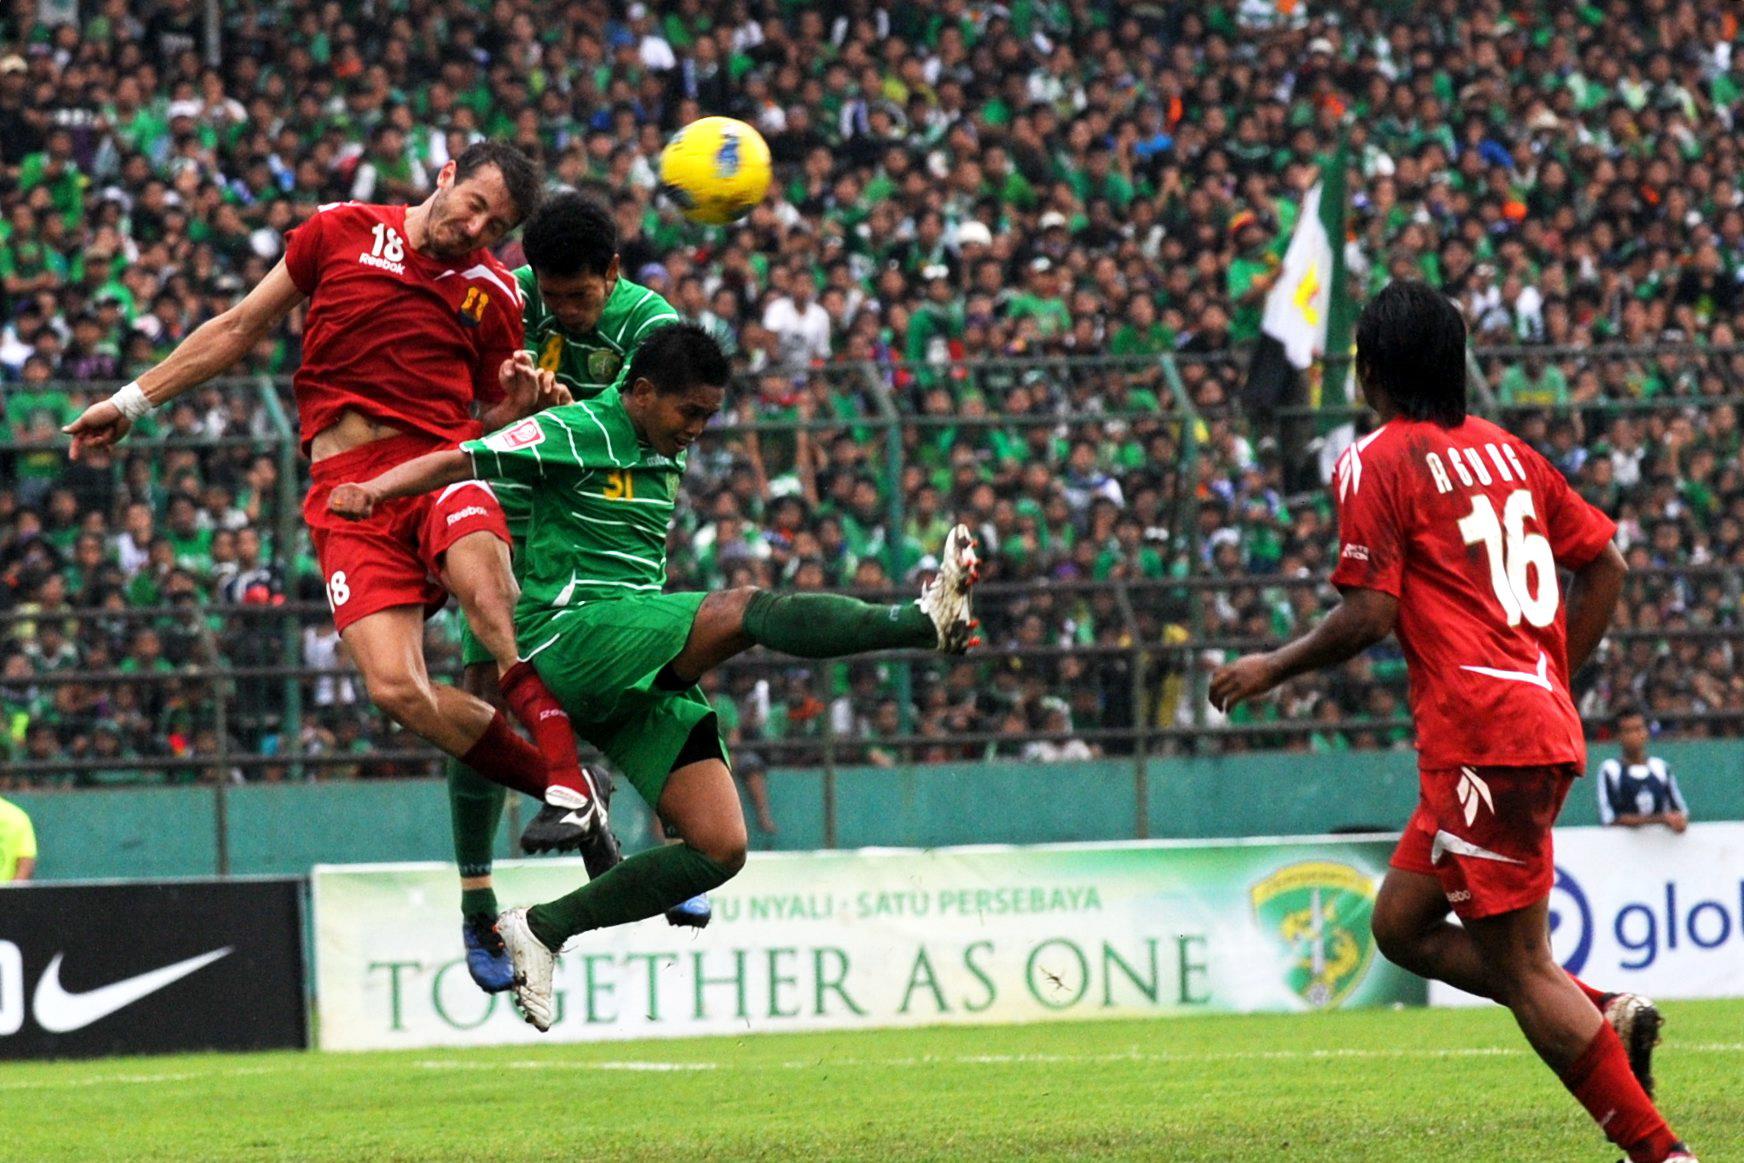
132, 401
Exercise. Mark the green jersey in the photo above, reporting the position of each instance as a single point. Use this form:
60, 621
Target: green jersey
587, 364
601, 505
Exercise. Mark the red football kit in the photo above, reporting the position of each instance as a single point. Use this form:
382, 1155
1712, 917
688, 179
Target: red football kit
1466, 527
407, 340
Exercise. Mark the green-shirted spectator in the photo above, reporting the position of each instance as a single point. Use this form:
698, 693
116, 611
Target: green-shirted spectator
1142, 333
190, 544
1099, 179
1041, 299
934, 326
55, 169
1537, 383
1251, 275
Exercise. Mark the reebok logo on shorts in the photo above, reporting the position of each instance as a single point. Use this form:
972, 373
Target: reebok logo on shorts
469, 511
1472, 790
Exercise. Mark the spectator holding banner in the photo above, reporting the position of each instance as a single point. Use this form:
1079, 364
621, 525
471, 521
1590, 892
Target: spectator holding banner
17, 844
1638, 789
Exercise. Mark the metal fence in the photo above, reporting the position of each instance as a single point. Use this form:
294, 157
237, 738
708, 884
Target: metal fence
1131, 674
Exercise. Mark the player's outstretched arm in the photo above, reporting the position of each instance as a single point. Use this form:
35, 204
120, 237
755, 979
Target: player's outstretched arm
1592, 600
356, 501
214, 347
1362, 618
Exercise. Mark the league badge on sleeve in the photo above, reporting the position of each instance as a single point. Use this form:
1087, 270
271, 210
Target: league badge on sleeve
516, 437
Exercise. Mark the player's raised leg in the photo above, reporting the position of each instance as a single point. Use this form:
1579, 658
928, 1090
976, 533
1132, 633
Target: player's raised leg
702, 804
475, 569
813, 626
832, 626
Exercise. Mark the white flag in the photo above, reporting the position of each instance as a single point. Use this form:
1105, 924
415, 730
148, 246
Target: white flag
1296, 308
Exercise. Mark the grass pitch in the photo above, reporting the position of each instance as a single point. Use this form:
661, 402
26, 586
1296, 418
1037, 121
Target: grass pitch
1400, 1085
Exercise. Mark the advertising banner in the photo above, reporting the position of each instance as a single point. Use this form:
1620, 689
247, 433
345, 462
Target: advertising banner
151, 967
839, 940
1645, 910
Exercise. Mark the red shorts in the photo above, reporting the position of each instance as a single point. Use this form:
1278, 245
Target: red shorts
395, 557
1484, 833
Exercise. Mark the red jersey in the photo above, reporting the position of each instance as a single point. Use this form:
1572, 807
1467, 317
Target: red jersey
1466, 526
396, 335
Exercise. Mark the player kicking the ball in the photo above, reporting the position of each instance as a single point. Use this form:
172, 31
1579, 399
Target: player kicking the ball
1451, 532
410, 322
622, 656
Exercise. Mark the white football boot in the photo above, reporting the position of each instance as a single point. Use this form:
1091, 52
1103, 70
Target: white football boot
945, 599
534, 963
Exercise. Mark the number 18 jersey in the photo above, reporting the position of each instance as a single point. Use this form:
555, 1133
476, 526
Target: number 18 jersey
1466, 527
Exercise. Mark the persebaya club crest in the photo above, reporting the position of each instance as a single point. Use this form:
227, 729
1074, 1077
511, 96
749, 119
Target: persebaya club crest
602, 365
1319, 911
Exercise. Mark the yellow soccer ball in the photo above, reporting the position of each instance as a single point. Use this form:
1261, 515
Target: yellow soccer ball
716, 169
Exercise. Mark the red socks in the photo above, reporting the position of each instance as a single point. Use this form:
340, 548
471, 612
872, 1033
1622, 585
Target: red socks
1596, 996
502, 756
1602, 1082
537, 708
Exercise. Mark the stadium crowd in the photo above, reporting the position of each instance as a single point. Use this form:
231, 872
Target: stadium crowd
958, 184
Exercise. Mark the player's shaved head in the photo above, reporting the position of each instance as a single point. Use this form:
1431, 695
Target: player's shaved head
1410, 348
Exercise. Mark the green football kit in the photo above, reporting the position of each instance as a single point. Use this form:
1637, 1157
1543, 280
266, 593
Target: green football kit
592, 618
586, 365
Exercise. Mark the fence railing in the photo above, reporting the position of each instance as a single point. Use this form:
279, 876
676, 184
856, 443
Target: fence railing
1129, 661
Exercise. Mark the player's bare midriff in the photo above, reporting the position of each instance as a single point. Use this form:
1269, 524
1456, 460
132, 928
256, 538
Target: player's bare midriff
348, 432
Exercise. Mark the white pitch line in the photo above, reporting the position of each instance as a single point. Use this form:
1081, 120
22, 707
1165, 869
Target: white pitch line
540, 1064
655, 1066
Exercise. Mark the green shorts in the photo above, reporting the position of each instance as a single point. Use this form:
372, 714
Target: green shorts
600, 660
472, 651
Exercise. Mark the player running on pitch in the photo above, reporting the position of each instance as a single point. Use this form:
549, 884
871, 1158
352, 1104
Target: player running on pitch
410, 321
625, 657
582, 320
1451, 532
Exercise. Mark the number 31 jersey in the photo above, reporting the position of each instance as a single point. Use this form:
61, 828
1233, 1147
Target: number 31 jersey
1466, 527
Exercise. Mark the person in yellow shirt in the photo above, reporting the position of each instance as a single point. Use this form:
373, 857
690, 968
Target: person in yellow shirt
17, 844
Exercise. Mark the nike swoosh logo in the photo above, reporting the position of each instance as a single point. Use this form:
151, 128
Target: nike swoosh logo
1540, 679
1446, 842
60, 1012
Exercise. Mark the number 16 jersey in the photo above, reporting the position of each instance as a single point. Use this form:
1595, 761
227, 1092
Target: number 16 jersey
1466, 527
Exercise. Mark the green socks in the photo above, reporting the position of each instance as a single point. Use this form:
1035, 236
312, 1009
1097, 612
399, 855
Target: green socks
831, 626
475, 807
643, 886
479, 902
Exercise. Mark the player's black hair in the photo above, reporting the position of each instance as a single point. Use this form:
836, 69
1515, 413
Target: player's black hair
677, 358
570, 234
520, 175
1410, 343
1627, 711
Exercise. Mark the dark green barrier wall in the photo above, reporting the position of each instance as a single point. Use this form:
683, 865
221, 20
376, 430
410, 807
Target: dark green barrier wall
285, 828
